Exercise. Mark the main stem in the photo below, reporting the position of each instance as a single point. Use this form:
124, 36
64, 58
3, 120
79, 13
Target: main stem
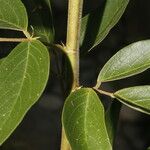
73, 37
72, 49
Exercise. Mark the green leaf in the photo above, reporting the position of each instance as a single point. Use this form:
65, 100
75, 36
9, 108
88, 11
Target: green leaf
137, 97
42, 24
127, 62
13, 15
84, 122
23, 76
1, 60
112, 117
96, 25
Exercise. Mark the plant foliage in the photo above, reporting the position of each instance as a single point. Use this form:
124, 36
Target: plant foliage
83, 120
25, 71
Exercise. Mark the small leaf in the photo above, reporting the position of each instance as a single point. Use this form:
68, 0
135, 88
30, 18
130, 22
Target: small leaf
84, 123
13, 15
137, 97
112, 117
127, 62
42, 24
23, 76
96, 25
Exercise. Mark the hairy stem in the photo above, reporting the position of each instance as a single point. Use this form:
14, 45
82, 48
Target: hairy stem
73, 37
72, 49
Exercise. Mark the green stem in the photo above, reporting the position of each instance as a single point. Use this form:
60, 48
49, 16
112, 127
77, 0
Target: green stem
16, 39
104, 92
64, 142
73, 37
72, 49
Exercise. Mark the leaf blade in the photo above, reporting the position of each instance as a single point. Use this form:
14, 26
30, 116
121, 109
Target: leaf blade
104, 21
129, 61
13, 15
82, 123
137, 97
23, 76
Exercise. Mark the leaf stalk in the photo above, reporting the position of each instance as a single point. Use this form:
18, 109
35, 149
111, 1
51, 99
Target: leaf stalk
16, 39
104, 92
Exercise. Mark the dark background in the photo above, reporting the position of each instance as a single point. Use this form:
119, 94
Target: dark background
40, 129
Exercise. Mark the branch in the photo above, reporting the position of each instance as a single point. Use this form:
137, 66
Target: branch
104, 92
17, 39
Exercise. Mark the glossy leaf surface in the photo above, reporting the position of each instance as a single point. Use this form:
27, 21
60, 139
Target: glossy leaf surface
84, 122
137, 97
23, 76
96, 25
127, 62
13, 15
